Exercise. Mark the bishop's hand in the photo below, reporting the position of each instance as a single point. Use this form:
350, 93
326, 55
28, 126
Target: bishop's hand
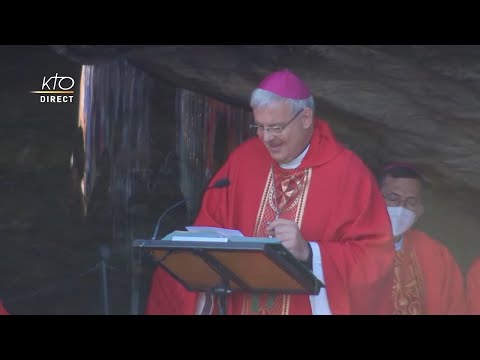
288, 233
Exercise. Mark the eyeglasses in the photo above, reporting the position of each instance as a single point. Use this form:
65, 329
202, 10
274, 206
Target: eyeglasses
277, 129
411, 203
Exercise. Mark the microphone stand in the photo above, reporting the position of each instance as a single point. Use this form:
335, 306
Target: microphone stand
105, 255
224, 182
218, 184
154, 237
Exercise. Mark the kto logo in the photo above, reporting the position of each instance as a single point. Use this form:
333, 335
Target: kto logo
60, 85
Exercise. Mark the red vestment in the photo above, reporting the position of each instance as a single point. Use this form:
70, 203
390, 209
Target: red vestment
473, 288
337, 204
427, 278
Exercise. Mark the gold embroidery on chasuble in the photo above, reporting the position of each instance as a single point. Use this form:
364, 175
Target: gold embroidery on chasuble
408, 286
284, 196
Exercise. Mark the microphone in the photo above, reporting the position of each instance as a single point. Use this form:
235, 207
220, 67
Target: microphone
224, 182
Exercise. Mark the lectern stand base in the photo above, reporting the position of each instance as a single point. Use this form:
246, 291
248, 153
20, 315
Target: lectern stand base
221, 294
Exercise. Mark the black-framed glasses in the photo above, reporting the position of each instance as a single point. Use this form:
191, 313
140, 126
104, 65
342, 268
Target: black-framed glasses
277, 129
411, 203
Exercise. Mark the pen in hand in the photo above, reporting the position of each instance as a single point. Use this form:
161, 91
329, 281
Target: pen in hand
269, 222
270, 236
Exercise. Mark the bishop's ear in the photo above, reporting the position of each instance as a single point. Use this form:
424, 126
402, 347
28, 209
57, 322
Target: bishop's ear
307, 117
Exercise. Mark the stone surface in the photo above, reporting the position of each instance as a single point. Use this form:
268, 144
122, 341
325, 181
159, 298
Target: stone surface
415, 102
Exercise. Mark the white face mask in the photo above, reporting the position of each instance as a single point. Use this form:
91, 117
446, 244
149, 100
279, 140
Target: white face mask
401, 218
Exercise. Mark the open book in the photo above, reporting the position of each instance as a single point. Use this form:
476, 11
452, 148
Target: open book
213, 234
210, 259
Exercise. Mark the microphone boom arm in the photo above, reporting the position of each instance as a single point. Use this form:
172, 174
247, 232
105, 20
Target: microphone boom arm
218, 184
163, 215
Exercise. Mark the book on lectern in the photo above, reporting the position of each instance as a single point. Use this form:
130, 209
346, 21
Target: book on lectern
205, 258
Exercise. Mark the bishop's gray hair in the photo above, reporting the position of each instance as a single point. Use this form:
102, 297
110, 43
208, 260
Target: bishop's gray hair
260, 98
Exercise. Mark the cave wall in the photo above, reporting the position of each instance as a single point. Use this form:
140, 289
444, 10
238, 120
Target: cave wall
38, 211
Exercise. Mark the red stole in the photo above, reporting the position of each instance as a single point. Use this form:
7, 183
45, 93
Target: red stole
408, 289
428, 279
284, 196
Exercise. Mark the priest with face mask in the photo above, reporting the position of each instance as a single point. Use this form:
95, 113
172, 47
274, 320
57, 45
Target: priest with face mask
427, 278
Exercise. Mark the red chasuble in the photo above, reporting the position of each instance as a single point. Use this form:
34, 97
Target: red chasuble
335, 201
473, 288
427, 278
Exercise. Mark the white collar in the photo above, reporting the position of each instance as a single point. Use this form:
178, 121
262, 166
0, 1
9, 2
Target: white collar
297, 161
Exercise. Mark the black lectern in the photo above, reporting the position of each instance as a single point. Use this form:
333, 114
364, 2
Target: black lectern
246, 265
